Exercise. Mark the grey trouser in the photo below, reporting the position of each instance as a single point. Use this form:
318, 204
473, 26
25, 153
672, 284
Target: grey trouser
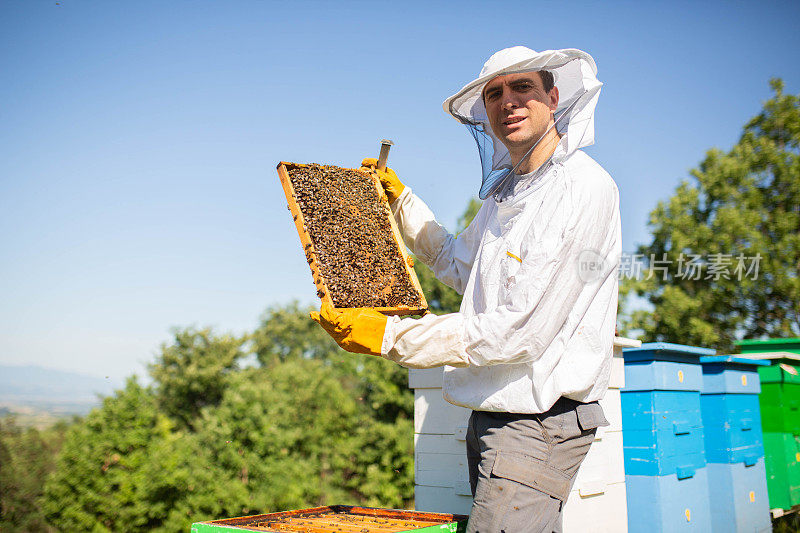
522, 467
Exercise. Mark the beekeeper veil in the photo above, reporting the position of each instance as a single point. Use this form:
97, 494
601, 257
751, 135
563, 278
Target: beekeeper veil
574, 73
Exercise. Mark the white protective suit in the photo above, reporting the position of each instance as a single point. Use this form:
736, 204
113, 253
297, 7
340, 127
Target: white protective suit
538, 270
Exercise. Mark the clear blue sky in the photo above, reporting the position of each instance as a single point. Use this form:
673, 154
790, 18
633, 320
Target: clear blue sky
138, 140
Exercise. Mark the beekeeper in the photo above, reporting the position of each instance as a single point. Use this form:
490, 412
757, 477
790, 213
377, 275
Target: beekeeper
530, 349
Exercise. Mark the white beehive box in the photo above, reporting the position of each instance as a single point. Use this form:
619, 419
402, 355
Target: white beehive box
597, 501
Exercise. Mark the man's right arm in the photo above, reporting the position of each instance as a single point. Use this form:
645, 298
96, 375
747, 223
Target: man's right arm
449, 257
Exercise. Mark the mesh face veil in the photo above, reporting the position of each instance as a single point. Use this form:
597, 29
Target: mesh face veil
495, 179
574, 73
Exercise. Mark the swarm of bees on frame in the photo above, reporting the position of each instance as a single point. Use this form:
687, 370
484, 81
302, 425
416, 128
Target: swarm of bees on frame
353, 244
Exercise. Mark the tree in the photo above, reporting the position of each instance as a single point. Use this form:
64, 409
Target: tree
742, 210
385, 466
27, 456
191, 372
96, 483
182, 483
295, 437
287, 332
127, 467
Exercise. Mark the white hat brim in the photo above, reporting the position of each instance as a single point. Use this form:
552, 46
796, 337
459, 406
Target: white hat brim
466, 105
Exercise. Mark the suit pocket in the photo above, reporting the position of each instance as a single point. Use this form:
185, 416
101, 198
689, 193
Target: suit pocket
591, 416
533, 473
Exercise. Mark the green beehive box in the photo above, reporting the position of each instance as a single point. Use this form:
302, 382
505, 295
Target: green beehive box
783, 469
770, 345
779, 401
780, 382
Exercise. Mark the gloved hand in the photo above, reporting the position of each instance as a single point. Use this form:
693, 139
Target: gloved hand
355, 330
391, 183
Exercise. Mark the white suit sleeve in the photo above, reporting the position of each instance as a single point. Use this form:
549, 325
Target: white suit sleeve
545, 289
449, 257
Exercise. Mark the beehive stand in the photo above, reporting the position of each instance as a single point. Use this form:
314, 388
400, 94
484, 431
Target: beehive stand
339, 519
324, 278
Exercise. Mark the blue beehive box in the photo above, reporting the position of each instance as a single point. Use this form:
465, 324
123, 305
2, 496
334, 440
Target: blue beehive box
662, 433
666, 503
663, 442
738, 497
731, 414
661, 415
734, 444
728, 374
732, 428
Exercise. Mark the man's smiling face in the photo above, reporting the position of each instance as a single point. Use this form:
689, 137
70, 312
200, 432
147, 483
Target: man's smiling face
519, 109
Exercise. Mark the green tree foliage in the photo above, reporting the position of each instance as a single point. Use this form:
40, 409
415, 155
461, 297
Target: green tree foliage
127, 468
384, 473
742, 202
383, 387
182, 482
441, 298
95, 486
283, 433
297, 428
295, 436
27, 456
287, 332
191, 372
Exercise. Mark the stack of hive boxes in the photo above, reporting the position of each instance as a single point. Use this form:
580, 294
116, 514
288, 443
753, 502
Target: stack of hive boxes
665, 464
780, 417
733, 444
597, 501
441, 477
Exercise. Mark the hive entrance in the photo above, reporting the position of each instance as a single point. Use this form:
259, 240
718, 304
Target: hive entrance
349, 239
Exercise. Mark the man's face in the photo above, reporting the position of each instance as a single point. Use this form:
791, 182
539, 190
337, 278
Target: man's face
519, 109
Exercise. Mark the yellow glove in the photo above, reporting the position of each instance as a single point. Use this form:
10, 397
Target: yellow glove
391, 183
355, 330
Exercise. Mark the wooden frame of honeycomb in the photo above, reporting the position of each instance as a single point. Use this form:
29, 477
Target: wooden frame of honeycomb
345, 280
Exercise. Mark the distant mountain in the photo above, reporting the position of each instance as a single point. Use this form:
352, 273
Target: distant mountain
51, 389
